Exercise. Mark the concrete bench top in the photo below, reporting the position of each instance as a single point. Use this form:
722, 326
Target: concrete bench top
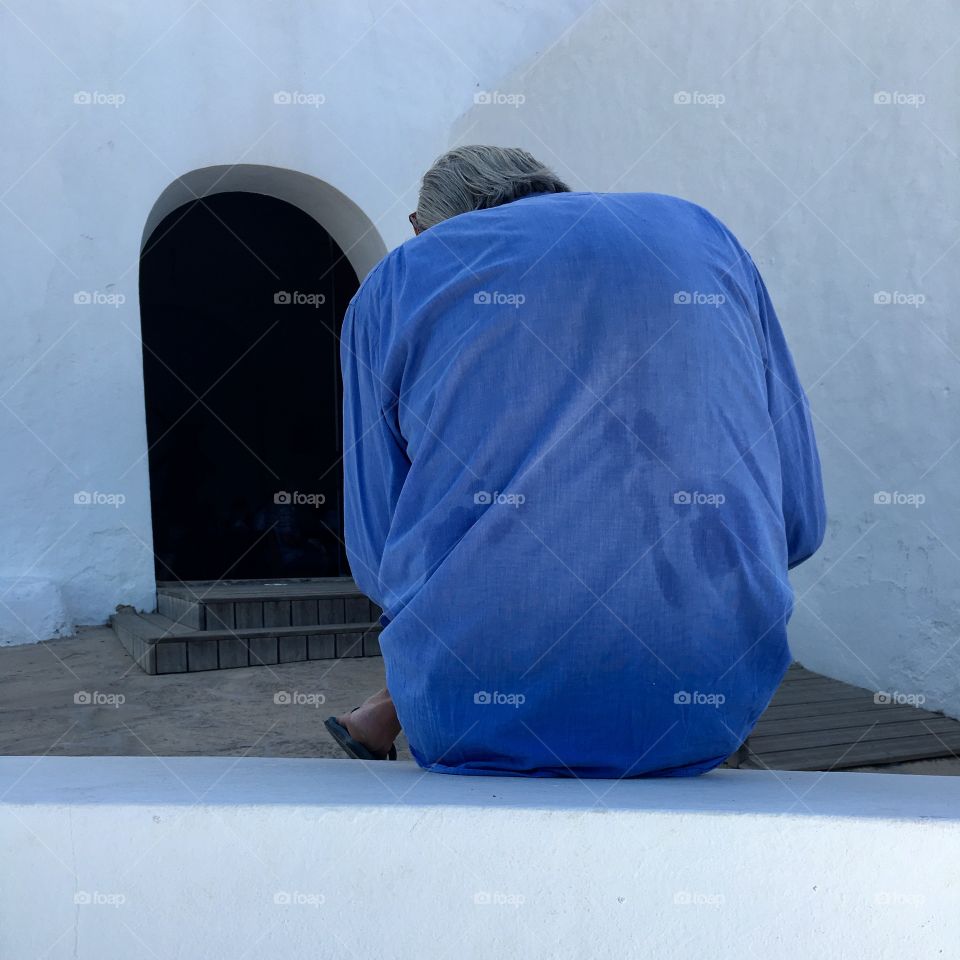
223, 858
231, 781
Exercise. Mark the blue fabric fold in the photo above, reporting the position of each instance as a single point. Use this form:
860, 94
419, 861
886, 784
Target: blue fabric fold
578, 465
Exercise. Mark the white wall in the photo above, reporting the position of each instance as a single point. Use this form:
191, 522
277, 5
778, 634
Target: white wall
78, 182
839, 199
107, 858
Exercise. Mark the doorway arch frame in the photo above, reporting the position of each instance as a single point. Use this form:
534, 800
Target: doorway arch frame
352, 230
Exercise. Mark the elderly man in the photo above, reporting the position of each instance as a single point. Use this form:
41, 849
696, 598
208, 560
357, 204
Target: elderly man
578, 464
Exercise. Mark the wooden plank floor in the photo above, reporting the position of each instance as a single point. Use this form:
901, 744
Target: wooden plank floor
816, 723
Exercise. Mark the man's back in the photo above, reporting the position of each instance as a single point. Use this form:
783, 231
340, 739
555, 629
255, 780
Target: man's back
578, 463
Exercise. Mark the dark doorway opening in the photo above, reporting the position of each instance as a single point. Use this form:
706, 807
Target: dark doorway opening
242, 297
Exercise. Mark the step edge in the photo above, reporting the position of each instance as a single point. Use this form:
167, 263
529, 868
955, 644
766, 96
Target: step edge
257, 633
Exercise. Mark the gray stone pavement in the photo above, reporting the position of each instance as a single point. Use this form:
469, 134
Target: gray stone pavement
219, 713
128, 713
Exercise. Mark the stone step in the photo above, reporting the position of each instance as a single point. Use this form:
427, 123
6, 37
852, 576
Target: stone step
160, 645
246, 604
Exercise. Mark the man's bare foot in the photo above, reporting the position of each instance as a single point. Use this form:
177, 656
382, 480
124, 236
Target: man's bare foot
374, 723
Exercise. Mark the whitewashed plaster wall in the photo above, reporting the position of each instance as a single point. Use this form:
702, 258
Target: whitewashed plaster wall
827, 137
107, 858
107, 104
842, 200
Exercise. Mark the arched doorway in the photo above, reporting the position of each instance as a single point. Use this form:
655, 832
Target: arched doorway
242, 295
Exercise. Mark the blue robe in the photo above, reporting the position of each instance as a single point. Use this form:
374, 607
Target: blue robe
578, 463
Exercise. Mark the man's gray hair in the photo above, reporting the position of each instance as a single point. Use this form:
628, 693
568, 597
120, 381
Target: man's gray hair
477, 177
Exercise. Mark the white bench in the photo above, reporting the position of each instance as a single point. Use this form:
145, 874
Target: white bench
223, 859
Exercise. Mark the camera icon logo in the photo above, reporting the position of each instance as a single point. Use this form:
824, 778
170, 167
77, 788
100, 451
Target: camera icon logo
281, 496
82, 297
682, 697
281, 296
281, 898
482, 96
482, 696
882, 97
82, 96
482, 497
882, 297
482, 297
882, 697
82, 697
282, 96
282, 698
882, 497
682, 296
82, 498
682, 496
681, 97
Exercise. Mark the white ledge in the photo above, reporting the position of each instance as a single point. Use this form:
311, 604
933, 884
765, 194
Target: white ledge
226, 858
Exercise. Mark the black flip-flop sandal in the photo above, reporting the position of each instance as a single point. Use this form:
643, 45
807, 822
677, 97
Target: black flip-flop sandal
353, 748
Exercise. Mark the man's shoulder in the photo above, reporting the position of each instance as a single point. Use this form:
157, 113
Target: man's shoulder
586, 209
664, 203
373, 283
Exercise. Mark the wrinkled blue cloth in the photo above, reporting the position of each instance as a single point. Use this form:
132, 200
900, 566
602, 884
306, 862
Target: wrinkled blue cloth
578, 463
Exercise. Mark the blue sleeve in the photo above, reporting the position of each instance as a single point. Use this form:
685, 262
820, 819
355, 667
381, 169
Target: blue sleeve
375, 463
804, 508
